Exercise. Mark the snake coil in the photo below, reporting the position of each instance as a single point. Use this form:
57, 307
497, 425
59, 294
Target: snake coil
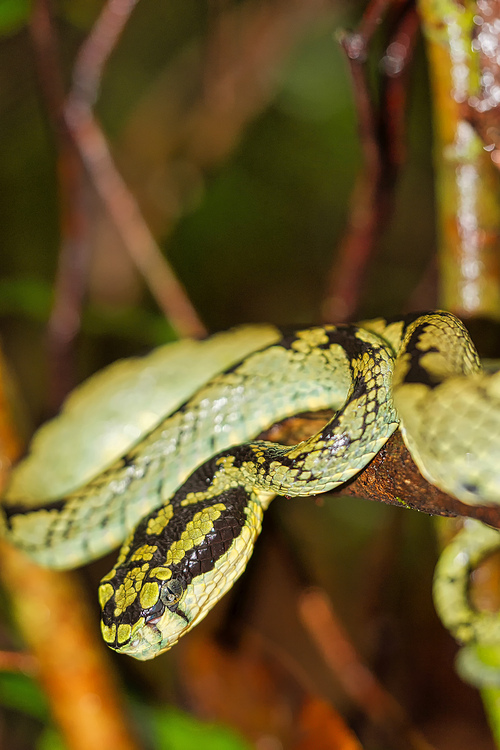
169, 466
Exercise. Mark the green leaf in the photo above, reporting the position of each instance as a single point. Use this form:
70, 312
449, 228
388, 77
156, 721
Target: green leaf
13, 15
50, 739
32, 299
21, 693
175, 730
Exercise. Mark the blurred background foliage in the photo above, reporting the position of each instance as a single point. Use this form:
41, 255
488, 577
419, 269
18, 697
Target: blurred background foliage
249, 214
250, 223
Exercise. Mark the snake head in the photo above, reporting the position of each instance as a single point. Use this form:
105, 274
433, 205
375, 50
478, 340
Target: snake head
173, 569
146, 631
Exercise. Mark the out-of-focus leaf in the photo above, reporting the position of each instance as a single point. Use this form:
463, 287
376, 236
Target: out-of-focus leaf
175, 730
13, 15
32, 299
50, 739
20, 692
80, 13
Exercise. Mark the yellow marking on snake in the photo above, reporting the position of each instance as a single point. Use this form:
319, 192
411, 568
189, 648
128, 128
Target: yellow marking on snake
149, 594
123, 633
145, 552
106, 591
108, 632
158, 523
127, 592
162, 574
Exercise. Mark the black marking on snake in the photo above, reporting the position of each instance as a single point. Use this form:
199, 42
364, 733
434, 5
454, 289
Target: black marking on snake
198, 482
23, 510
416, 373
181, 613
154, 612
127, 460
341, 334
197, 561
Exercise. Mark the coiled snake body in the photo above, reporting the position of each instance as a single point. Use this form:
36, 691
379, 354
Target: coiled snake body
187, 491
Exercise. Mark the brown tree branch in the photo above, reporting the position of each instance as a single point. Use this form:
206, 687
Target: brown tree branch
96, 49
392, 477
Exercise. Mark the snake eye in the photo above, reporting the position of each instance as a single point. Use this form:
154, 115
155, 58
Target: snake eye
171, 592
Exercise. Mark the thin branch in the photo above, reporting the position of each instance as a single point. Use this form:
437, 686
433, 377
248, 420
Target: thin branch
359, 683
345, 280
119, 202
129, 222
381, 130
71, 277
396, 65
80, 140
241, 54
96, 49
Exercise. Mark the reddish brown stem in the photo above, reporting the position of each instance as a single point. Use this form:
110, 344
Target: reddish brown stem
355, 248
95, 154
97, 47
359, 683
129, 222
70, 284
392, 477
381, 131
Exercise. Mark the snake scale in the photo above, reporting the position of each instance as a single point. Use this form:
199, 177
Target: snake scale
160, 455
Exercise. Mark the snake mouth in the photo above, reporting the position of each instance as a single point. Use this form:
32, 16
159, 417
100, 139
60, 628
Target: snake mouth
145, 643
151, 636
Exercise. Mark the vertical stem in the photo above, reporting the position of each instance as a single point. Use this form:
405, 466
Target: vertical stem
74, 255
468, 204
467, 183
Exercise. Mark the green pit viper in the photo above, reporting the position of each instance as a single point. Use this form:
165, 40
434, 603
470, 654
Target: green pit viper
160, 454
